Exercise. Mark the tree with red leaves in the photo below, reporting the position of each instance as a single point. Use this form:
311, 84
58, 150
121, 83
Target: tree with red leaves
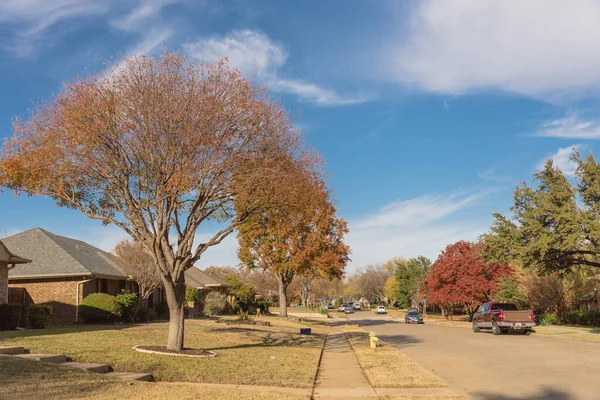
460, 278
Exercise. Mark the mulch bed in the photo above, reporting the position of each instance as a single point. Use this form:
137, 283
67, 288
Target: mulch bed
256, 323
187, 352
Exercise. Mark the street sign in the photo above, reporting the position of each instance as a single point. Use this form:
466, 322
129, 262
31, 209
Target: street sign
424, 301
320, 298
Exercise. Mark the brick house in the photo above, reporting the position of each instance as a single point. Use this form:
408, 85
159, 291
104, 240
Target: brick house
8, 261
62, 272
205, 282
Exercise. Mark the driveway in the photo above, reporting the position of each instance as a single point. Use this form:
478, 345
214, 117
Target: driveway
487, 367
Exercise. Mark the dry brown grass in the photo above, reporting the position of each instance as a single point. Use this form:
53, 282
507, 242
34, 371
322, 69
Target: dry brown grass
386, 367
24, 379
244, 351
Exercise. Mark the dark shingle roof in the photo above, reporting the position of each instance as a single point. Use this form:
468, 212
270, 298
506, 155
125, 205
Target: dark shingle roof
58, 255
200, 279
8, 257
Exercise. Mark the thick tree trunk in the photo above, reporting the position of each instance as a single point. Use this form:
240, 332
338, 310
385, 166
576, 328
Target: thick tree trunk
283, 282
175, 293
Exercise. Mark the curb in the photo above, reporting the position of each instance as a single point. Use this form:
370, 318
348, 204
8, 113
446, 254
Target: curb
312, 392
137, 348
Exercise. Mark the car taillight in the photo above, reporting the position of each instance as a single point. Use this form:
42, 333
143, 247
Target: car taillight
532, 316
501, 315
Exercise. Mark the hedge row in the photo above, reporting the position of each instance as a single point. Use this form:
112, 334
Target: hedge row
35, 316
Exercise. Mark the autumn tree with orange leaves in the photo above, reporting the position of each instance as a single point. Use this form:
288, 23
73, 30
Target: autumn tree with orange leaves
301, 237
158, 147
460, 278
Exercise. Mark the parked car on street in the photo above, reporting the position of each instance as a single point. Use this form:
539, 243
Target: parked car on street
412, 317
357, 306
380, 310
348, 310
342, 307
330, 307
503, 317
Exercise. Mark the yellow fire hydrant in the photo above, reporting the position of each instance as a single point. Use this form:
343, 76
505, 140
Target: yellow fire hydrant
374, 340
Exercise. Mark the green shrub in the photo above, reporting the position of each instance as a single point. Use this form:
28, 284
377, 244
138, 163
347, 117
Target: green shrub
192, 294
263, 306
323, 310
162, 310
39, 316
10, 316
244, 316
24, 323
128, 302
546, 319
214, 303
142, 314
151, 314
579, 317
100, 307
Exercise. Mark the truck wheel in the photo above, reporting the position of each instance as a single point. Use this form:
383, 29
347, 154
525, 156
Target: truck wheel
527, 332
476, 327
495, 328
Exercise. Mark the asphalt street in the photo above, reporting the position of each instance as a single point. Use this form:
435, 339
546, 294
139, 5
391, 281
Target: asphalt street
488, 367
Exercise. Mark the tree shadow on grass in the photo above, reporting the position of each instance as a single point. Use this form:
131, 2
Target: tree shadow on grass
65, 329
270, 339
546, 393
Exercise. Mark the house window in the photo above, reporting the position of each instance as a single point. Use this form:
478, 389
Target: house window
121, 285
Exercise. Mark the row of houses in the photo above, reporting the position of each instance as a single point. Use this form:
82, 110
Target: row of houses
40, 267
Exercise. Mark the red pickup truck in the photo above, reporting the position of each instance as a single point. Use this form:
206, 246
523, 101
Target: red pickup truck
502, 317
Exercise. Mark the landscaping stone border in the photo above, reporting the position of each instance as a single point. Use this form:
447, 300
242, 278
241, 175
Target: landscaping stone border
137, 348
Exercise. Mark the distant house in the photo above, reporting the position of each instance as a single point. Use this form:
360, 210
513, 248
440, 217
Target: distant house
205, 282
8, 261
202, 280
62, 272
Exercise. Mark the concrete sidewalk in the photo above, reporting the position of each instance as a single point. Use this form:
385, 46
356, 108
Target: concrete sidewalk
340, 374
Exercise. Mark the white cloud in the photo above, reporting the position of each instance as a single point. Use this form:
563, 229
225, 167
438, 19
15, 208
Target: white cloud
540, 48
562, 160
34, 17
570, 127
420, 226
491, 174
145, 10
155, 39
421, 210
257, 55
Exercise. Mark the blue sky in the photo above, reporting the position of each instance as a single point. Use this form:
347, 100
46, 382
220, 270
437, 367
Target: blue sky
427, 113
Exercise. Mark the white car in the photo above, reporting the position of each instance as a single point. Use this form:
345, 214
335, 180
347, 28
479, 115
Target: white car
357, 306
380, 310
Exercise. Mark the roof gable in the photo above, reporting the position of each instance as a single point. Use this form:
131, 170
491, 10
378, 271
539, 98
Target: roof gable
201, 279
58, 255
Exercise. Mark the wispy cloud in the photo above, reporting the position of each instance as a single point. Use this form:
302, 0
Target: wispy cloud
408, 228
570, 127
138, 15
492, 174
28, 21
562, 159
155, 38
257, 55
457, 47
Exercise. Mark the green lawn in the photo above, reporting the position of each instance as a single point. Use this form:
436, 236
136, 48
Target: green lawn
24, 379
276, 356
